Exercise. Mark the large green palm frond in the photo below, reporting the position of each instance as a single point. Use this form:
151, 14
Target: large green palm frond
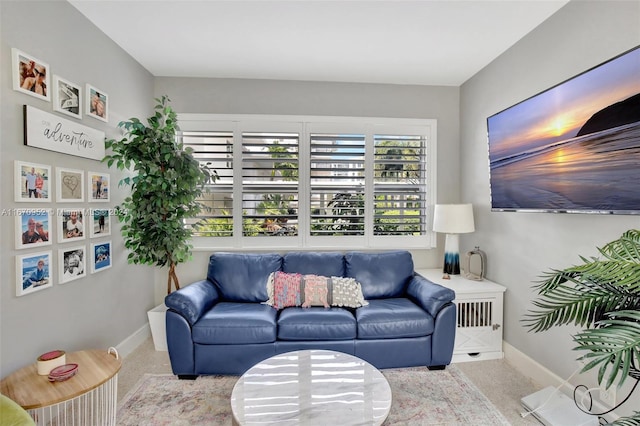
624, 249
628, 421
603, 297
613, 346
582, 294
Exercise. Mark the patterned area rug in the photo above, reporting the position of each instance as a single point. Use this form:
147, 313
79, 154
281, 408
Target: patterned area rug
420, 397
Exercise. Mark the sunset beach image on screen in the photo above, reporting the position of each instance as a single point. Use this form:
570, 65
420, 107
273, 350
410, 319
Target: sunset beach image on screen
572, 148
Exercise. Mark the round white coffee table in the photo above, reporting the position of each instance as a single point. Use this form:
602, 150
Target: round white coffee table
311, 387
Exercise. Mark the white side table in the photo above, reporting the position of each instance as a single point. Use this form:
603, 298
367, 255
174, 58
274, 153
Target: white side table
479, 316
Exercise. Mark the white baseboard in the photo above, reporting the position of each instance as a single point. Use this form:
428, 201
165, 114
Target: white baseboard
544, 377
130, 344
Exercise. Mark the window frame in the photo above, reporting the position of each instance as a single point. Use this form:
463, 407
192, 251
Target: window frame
238, 124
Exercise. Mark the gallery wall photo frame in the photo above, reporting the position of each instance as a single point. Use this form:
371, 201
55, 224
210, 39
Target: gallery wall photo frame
33, 228
67, 97
97, 103
99, 222
32, 182
99, 187
30, 75
72, 263
69, 185
34, 272
71, 224
100, 256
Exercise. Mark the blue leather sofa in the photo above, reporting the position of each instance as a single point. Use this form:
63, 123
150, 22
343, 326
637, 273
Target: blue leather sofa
220, 325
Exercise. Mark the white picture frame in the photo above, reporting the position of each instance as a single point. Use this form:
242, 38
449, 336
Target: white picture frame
72, 263
69, 185
33, 228
34, 272
98, 187
99, 222
71, 224
29, 190
97, 103
67, 97
28, 75
100, 256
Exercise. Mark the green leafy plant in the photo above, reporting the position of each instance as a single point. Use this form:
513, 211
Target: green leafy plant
166, 184
602, 295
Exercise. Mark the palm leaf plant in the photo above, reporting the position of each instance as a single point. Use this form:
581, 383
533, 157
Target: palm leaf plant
165, 187
602, 295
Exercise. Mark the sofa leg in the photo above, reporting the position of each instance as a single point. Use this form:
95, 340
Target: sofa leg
436, 367
187, 376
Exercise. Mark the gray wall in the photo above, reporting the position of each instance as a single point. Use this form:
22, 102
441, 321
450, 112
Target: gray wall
520, 246
102, 309
237, 96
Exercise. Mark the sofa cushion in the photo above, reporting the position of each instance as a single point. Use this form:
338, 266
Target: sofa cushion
293, 289
318, 263
316, 323
283, 289
236, 324
381, 275
393, 319
241, 277
347, 292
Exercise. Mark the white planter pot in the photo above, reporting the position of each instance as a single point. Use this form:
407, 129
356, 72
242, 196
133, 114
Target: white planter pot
157, 323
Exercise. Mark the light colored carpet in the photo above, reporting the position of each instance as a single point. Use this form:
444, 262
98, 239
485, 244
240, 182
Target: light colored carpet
420, 397
497, 379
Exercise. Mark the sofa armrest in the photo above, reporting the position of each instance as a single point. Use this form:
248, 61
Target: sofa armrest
193, 300
430, 296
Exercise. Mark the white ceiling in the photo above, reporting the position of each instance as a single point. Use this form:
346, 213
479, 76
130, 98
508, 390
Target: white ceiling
424, 42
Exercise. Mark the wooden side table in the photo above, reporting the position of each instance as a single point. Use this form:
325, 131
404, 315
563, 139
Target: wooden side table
88, 398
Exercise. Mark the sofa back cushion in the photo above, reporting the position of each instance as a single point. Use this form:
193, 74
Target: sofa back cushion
328, 264
242, 277
380, 274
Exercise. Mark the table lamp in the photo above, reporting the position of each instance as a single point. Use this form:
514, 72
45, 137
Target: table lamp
452, 219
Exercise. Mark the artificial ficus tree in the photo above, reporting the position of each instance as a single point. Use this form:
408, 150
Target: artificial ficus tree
165, 185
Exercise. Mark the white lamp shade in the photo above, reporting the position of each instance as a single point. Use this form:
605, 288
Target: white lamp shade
453, 218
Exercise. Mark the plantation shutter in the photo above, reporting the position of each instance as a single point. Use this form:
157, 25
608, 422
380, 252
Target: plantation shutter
399, 185
215, 150
337, 180
270, 184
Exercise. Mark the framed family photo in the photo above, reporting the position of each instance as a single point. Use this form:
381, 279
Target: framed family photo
101, 256
97, 103
33, 272
32, 182
71, 263
70, 185
30, 75
98, 187
70, 225
67, 97
33, 228
99, 222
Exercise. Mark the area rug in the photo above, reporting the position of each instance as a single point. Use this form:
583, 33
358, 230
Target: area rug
420, 397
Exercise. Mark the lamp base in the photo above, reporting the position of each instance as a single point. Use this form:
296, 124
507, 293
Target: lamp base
451, 255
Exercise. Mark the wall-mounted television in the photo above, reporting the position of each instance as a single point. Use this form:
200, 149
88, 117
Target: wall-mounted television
574, 148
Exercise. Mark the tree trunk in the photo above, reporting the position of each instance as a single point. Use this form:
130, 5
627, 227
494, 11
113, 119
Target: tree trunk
172, 278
